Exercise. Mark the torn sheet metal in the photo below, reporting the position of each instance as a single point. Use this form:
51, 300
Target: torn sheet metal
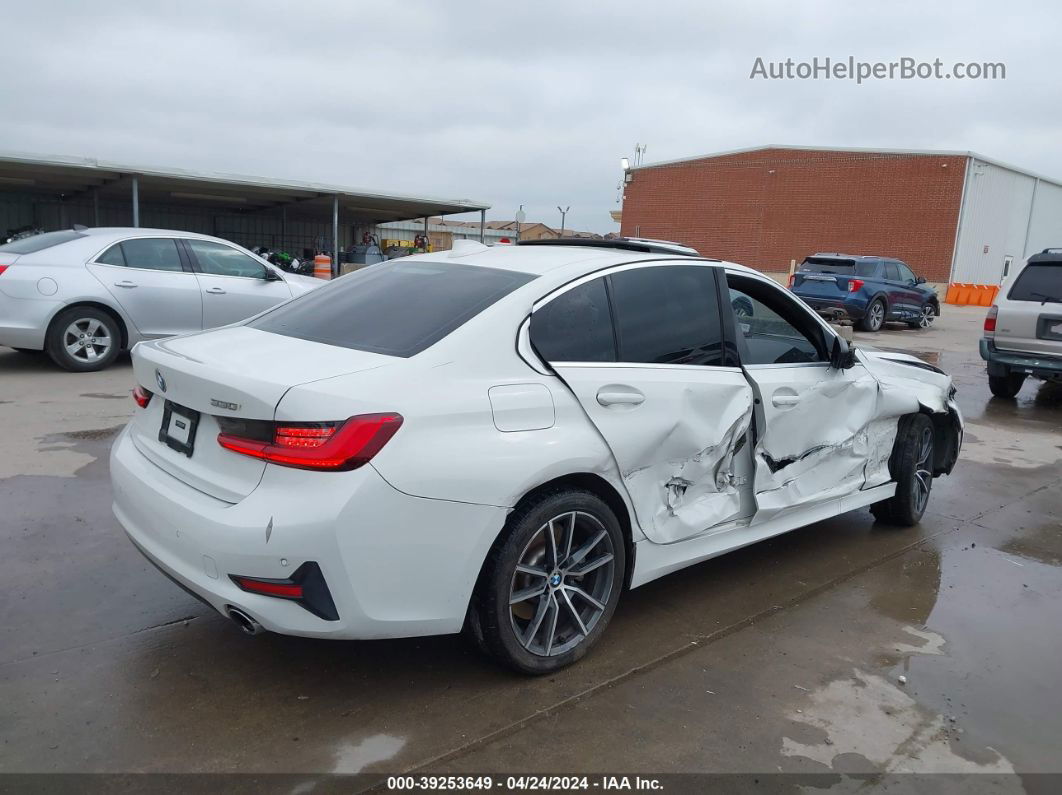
674, 433
839, 437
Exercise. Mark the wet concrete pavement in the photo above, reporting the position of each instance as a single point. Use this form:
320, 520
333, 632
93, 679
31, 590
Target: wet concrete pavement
785, 656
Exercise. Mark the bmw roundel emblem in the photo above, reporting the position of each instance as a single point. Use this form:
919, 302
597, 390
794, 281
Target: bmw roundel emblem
160, 381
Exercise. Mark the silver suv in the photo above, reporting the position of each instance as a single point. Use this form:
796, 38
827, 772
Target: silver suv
1023, 329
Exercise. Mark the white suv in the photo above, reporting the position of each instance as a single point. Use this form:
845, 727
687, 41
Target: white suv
505, 440
1023, 329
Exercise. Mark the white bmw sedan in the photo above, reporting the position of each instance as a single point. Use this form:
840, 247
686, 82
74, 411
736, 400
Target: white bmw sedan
505, 440
84, 295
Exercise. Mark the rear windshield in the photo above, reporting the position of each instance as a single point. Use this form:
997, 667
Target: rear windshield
31, 245
1038, 283
846, 266
394, 308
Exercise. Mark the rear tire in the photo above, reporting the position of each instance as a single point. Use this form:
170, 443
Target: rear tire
1006, 386
911, 466
83, 339
565, 598
874, 318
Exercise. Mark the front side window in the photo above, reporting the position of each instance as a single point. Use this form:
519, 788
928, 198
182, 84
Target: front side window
906, 274
576, 326
772, 328
220, 260
394, 308
150, 253
667, 315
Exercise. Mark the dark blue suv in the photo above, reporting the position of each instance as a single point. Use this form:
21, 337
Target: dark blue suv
869, 290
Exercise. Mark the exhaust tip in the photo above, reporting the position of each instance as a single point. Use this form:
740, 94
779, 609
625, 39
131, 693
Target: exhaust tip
246, 624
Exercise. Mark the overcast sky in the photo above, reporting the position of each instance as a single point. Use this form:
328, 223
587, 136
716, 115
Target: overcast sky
527, 103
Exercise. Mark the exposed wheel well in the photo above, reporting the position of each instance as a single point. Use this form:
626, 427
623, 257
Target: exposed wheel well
945, 440
95, 305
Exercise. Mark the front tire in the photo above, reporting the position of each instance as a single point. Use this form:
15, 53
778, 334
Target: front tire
911, 467
550, 585
83, 339
874, 318
926, 315
1006, 386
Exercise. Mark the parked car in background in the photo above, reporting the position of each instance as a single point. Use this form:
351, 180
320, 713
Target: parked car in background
1023, 329
504, 440
84, 295
868, 289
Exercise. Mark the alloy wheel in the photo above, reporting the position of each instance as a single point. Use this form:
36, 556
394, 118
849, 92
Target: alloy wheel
877, 315
925, 319
87, 340
563, 581
923, 477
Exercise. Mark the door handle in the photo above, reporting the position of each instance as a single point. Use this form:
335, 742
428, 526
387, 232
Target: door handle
215, 291
126, 284
781, 401
616, 396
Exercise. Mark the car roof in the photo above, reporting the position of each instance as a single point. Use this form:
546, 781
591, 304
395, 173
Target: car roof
835, 255
133, 231
1048, 255
561, 263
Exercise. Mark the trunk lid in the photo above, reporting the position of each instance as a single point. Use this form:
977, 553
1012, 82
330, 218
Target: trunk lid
230, 372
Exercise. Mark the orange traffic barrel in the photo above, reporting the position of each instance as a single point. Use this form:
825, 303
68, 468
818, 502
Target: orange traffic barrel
322, 266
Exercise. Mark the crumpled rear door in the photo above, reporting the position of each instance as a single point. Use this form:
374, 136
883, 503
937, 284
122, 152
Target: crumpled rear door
676, 433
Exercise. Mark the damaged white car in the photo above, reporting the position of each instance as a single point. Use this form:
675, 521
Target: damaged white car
504, 440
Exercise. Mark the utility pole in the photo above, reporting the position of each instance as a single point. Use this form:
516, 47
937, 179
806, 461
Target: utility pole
563, 211
520, 216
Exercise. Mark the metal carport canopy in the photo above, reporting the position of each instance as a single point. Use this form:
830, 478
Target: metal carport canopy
82, 177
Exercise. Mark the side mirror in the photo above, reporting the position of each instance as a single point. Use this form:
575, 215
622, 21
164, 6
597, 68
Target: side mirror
920, 280
271, 275
841, 356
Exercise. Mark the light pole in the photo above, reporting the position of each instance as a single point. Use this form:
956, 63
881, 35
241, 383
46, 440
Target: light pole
520, 216
563, 211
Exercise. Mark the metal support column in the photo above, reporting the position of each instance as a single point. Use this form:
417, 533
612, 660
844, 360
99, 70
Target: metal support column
335, 236
95, 206
136, 201
482, 224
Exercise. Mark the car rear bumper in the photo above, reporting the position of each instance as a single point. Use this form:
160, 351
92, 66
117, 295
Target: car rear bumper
851, 308
1001, 363
394, 565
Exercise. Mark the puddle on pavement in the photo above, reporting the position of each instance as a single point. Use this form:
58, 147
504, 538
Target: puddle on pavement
355, 757
969, 666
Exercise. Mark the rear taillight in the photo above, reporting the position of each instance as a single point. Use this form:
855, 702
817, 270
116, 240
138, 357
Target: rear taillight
328, 446
855, 285
141, 396
990, 321
281, 588
4, 268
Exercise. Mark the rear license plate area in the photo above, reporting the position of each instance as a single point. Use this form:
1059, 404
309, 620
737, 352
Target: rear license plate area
178, 429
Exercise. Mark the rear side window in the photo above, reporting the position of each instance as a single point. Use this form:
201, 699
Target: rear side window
31, 245
892, 272
849, 267
150, 253
1038, 283
668, 315
576, 326
395, 308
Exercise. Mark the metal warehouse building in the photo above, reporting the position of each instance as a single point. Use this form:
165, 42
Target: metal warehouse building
952, 216
54, 192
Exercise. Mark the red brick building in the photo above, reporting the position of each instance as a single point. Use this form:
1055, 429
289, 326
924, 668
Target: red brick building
764, 207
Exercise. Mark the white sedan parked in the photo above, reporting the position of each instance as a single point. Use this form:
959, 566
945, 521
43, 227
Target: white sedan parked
84, 295
504, 440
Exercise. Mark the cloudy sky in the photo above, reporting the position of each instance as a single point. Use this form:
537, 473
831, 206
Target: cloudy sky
527, 103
